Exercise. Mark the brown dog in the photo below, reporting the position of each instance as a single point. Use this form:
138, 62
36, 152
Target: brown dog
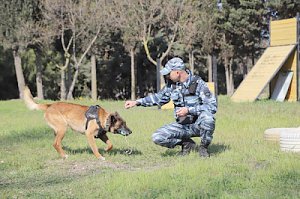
61, 115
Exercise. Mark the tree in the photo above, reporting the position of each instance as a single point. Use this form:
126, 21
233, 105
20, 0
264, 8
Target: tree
283, 9
41, 38
73, 25
240, 24
197, 29
161, 21
189, 29
127, 19
16, 25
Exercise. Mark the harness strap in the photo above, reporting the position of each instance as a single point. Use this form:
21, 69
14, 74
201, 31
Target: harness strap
189, 119
193, 85
91, 114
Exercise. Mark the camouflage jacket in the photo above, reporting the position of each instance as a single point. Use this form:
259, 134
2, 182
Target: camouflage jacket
200, 100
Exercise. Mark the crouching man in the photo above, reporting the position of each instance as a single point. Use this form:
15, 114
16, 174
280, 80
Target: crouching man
195, 108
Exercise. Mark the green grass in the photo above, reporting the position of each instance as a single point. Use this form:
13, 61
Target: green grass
242, 164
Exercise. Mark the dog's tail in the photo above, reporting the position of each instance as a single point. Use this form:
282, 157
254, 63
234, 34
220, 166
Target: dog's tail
30, 103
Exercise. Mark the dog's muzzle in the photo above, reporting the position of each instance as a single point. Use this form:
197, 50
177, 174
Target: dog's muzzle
123, 131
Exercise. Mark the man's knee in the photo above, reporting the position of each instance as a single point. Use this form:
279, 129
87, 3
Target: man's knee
206, 122
157, 138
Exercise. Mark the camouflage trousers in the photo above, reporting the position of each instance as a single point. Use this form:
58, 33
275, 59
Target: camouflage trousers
171, 134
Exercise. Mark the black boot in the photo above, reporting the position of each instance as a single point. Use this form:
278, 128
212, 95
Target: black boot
203, 151
186, 147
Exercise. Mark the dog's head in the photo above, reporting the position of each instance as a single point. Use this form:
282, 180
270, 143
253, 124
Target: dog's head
117, 125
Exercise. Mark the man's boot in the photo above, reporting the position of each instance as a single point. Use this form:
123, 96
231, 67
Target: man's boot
203, 150
186, 147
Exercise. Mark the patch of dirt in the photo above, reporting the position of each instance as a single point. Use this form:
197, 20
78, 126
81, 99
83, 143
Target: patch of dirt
259, 164
87, 166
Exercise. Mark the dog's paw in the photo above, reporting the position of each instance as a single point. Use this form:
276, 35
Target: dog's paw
101, 158
65, 157
108, 148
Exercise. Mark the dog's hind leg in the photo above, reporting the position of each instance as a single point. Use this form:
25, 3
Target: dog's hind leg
105, 139
57, 142
56, 121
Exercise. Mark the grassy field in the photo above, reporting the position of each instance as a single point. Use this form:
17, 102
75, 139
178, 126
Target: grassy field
242, 164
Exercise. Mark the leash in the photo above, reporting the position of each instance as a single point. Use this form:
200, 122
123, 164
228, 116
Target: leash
128, 151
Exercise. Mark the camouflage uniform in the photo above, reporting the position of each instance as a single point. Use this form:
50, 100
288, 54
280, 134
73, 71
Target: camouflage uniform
202, 105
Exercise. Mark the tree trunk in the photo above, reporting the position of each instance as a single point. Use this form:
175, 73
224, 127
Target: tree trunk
78, 63
19, 72
63, 91
68, 80
231, 83
253, 57
210, 68
245, 68
132, 74
227, 74
158, 75
215, 72
164, 54
191, 62
94, 77
71, 88
39, 74
162, 79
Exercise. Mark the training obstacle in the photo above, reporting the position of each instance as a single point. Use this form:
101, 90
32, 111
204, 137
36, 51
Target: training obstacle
278, 67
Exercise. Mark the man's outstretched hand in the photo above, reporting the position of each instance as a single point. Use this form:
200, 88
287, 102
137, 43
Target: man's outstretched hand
129, 104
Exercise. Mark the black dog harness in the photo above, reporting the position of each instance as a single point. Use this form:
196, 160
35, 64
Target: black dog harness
92, 114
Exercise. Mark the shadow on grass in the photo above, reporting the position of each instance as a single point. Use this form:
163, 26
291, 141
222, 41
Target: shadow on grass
213, 149
114, 151
124, 151
170, 152
77, 150
27, 135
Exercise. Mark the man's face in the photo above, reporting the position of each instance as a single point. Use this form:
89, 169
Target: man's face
174, 75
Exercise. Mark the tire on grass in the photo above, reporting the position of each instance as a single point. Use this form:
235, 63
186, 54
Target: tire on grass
273, 134
290, 141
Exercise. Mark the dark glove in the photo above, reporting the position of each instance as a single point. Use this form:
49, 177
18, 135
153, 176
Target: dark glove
189, 119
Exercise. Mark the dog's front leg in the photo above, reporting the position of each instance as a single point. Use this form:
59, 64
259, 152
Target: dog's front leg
92, 143
105, 139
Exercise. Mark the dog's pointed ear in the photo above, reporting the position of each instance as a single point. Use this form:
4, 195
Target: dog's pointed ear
110, 121
117, 114
113, 118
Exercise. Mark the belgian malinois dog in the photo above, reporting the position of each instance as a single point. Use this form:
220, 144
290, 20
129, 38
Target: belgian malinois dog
61, 115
